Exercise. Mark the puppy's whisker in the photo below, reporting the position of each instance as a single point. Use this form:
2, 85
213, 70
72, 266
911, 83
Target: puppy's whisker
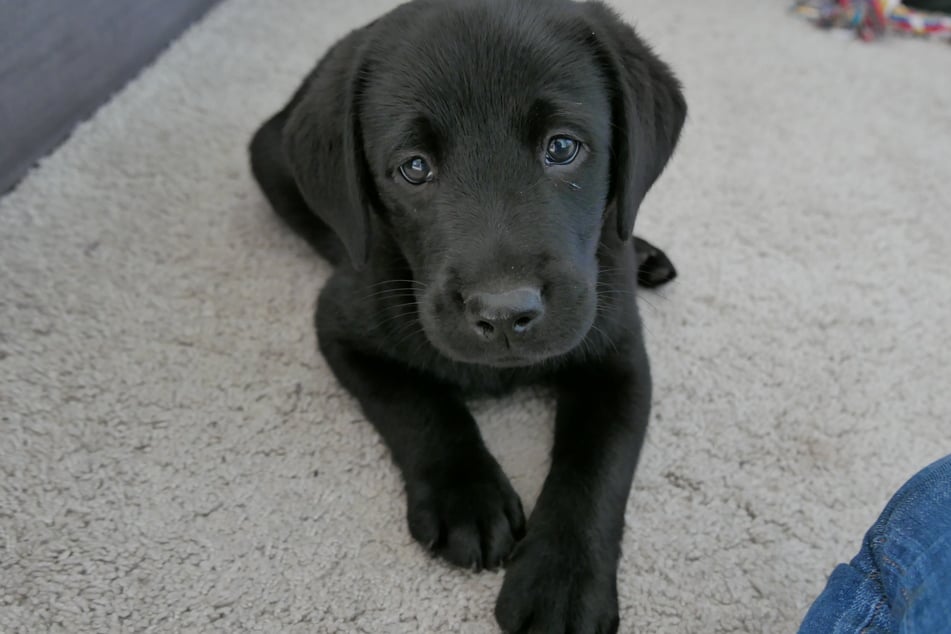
653, 292
398, 289
398, 286
586, 349
647, 332
411, 334
605, 336
399, 315
593, 350
412, 303
405, 329
649, 303
660, 293
418, 283
397, 292
397, 331
402, 314
583, 349
420, 347
393, 295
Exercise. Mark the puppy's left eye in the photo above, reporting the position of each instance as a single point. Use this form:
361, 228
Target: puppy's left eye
562, 150
416, 171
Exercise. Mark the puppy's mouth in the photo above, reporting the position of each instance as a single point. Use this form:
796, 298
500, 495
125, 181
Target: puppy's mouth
492, 359
513, 361
513, 328
506, 361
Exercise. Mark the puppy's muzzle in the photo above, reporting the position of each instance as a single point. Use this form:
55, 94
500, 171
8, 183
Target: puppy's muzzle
508, 315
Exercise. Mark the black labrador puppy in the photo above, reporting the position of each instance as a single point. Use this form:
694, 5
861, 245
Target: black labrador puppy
473, 169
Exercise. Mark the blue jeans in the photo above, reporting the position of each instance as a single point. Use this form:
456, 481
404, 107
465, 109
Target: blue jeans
900, 582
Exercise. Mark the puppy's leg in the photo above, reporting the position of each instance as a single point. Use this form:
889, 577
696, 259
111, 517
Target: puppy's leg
460, 504
563, 576
273, 175
654, 268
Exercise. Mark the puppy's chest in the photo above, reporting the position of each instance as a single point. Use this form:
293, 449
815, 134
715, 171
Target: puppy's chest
475, 380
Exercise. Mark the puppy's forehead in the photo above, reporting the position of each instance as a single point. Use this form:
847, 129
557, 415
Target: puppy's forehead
477, 63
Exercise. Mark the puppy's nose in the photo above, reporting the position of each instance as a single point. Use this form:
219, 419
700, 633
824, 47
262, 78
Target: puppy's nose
512, 313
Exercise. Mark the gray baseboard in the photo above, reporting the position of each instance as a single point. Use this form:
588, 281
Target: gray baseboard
61, 59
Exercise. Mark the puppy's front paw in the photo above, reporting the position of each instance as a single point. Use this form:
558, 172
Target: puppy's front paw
554, 586
466, 512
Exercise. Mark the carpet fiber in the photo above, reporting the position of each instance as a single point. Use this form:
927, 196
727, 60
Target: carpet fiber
176, 456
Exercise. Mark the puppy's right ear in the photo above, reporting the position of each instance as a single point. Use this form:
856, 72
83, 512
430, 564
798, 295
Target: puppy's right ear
324, 146
648, 110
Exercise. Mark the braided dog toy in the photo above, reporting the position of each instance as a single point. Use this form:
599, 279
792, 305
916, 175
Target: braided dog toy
871, 19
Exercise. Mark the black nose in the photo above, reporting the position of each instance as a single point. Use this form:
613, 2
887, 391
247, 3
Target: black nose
512, 313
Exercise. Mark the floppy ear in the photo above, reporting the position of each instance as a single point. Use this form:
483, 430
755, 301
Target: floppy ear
648, 110
324, 147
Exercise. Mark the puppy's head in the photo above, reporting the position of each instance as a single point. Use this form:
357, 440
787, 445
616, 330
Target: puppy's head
495, 144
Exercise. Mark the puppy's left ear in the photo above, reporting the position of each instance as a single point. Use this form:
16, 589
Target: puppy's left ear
324, 146
648, 110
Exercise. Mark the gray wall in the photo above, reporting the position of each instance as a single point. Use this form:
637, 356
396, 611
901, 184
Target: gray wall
61, 59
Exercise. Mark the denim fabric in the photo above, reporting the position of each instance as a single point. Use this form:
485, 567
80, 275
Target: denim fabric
900, 582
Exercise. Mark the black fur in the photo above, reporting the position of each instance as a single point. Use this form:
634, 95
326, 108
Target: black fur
420, 311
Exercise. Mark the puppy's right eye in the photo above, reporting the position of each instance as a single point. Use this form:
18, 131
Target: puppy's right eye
562, 150
416, 171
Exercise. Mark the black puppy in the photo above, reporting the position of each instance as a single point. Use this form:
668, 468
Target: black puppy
476, 167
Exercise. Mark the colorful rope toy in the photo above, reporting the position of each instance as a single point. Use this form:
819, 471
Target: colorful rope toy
871, 19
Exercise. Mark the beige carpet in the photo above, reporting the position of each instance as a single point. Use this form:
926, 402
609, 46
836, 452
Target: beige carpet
175, 455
